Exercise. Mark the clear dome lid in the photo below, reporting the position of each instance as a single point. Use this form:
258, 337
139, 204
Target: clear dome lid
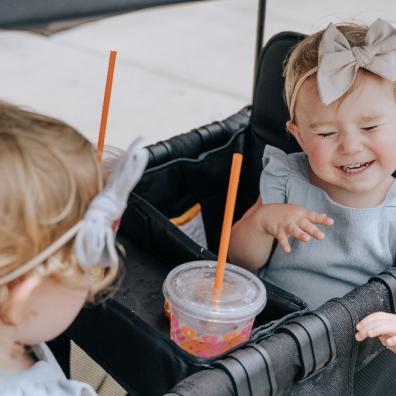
189, 288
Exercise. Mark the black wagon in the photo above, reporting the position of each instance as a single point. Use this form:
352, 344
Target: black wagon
292, 350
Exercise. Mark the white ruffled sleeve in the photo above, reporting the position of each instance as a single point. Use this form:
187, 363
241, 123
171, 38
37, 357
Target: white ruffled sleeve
274, 176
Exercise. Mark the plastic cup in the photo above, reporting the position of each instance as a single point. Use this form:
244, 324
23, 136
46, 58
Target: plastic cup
110, 156
205, 327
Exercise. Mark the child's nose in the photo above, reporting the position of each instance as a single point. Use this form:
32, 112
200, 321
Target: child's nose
350, 143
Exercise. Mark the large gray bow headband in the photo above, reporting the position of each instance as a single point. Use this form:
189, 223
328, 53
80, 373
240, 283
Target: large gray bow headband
338, 62
94, 243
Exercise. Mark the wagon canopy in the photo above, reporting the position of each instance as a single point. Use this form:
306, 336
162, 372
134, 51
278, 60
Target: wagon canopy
24, 13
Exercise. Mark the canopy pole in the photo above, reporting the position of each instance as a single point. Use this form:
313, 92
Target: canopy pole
262, 5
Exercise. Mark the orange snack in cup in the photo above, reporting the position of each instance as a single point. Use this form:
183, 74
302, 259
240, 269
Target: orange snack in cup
167, 309
188, 332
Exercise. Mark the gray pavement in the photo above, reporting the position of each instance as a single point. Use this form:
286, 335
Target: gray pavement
178, 67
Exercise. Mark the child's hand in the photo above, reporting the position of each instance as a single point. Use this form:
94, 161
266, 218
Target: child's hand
286, 220
381, 325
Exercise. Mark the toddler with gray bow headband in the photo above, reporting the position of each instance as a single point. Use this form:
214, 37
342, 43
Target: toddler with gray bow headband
332, 207
56, 215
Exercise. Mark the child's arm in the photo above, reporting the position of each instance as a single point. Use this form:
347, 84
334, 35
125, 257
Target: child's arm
381, 325
253, 235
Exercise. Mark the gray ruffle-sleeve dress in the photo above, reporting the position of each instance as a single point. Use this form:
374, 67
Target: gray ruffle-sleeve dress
360, 244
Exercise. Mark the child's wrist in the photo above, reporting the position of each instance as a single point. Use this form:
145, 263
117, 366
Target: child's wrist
262, 217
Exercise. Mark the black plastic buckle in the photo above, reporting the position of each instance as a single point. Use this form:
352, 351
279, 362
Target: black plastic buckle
250, 370
315, 342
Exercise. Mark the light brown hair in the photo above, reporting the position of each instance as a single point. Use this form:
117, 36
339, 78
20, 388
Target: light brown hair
49, 175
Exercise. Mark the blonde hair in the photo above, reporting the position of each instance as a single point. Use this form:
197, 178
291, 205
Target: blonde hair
49, 175
304, 56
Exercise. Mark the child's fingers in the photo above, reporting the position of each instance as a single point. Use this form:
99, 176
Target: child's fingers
383, 320
311, 229
375, 317
283, 241
369, 326
295, 231
383, 339
393, 349
320, 218
380, 328
391, 341
360, 336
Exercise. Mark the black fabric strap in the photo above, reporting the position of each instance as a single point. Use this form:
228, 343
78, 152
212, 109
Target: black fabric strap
237, 373
213, 382
315, 342
323, 347
269, 379
251, 371
388, 279
304, 345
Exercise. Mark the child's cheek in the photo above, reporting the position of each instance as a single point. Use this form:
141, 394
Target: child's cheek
318, 160
385, 147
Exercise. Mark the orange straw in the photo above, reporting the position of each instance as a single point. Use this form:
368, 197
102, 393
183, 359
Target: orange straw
227, 222
106, 103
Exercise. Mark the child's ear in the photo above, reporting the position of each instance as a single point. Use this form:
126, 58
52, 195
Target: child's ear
18, 307
293, 129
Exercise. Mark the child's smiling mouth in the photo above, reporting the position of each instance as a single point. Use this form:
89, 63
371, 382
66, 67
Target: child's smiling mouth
356, 167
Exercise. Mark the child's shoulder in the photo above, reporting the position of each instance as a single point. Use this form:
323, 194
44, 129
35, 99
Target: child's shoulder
47, 388
44, 378
279, 163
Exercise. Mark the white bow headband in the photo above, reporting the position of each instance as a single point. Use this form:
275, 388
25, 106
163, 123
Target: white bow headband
338, 62
94, 243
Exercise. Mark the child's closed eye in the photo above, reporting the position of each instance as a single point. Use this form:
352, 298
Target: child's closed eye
326, 134
371, 127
